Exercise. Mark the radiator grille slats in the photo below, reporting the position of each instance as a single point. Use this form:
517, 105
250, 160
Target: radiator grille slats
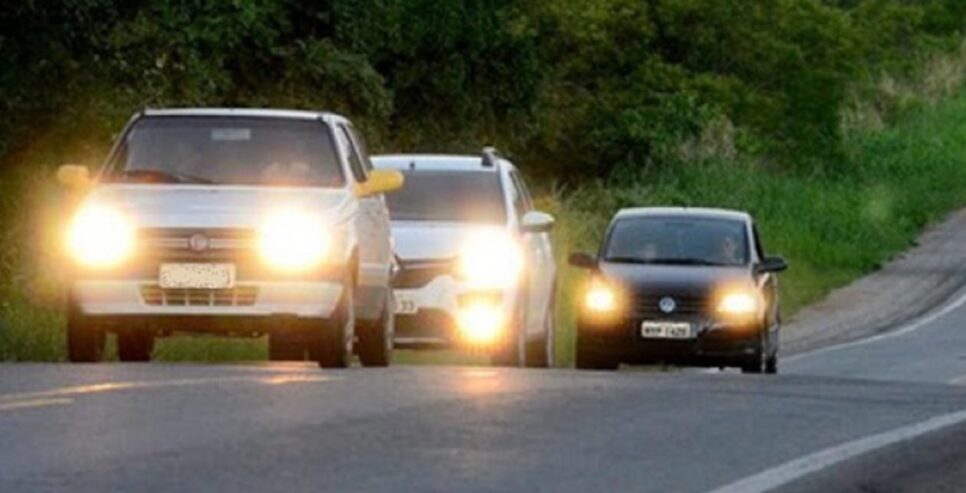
154, 295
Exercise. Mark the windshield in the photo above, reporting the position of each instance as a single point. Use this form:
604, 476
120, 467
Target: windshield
228, 151
681, 241
456, 196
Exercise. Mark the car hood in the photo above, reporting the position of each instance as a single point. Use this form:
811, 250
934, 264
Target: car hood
192, 206
679, 280
429, 240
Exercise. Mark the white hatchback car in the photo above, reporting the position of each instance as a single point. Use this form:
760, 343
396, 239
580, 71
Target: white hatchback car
476, 264
235, 222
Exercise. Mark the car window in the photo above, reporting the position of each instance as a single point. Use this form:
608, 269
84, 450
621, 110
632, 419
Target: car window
227, 150
452, 196
355, 162
522, 201
678, 240
363, 149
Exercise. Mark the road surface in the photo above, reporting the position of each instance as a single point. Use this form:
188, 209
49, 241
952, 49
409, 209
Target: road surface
880, 415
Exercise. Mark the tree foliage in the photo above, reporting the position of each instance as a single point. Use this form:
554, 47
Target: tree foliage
574, 89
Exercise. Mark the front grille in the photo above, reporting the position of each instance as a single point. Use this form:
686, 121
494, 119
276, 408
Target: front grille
648, 306
416, 274
179, 239
154, 295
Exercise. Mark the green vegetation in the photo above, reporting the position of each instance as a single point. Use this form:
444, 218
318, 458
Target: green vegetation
819, 116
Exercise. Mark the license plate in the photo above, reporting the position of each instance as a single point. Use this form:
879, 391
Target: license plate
196, 276
406, 306
666, 330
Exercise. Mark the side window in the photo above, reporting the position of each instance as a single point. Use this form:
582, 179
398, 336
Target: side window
360, 143
521, 197
355, 162
758, 248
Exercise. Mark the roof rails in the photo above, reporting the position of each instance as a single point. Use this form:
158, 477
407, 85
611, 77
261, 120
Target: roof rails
490, 156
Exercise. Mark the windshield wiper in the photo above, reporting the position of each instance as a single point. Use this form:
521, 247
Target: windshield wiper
664, 261
164, 176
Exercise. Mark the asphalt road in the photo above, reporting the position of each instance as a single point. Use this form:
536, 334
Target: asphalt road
880, 415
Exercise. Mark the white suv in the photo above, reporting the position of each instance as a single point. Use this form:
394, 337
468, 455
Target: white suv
235, 222
476, 264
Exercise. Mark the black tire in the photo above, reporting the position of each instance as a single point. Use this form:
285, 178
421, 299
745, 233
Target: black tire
134, 346
330, 341
540, 353
758, 363
375, 338
771, 365
85, 339
285, 347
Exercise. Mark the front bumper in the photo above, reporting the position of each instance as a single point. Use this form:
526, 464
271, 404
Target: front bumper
301, 299
715, 343
429, 316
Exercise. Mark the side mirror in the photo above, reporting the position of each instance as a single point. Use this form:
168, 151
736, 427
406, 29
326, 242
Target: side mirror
536, 222
74, 177
380, 181
772, 265
582, 260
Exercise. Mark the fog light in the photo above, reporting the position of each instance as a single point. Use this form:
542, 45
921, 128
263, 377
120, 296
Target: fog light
481, 322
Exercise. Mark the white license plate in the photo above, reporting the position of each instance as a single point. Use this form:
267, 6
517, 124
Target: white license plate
666, 330
406, 306
196, 276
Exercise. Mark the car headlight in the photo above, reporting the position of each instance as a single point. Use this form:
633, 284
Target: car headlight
293, 241
600, 298
490, 261
739, 304
100, 237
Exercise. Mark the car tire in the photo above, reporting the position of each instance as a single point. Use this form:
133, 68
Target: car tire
284, 347
134, 346
85, 339
512, 351
759, 362
593, 358
331, 344
375, 338
540, 353
771, 365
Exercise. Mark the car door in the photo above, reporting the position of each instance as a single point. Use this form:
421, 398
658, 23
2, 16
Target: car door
539, 258
372, 225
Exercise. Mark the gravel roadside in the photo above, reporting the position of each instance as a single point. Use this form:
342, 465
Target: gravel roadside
909, 286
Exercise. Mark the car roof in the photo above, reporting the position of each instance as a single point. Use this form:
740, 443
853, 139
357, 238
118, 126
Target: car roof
697, 212
245, 112
434, 162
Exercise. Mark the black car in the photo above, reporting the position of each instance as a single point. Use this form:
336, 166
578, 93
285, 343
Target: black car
680, 286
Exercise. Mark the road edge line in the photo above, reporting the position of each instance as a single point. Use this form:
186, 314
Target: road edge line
913, 326
783, 474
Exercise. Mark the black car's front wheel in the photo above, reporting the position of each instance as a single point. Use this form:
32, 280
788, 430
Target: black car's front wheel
762, 361
134, 345
594, 356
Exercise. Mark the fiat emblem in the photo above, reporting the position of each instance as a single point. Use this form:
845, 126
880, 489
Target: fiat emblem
667, 304
198, 242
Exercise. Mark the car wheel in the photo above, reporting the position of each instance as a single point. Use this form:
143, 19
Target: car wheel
85, 339
512, 351
759, 362
540, 354
331, 344
771, 365
284, 347
375, 338
134, 345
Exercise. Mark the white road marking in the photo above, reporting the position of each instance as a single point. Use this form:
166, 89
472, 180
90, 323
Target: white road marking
11, 406
790, 471
912, 327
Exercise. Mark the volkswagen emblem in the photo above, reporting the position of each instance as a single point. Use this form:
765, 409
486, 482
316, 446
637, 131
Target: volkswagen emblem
198, 242
667, 304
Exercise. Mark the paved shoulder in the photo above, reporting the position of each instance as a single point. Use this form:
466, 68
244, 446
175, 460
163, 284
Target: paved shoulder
905, 288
